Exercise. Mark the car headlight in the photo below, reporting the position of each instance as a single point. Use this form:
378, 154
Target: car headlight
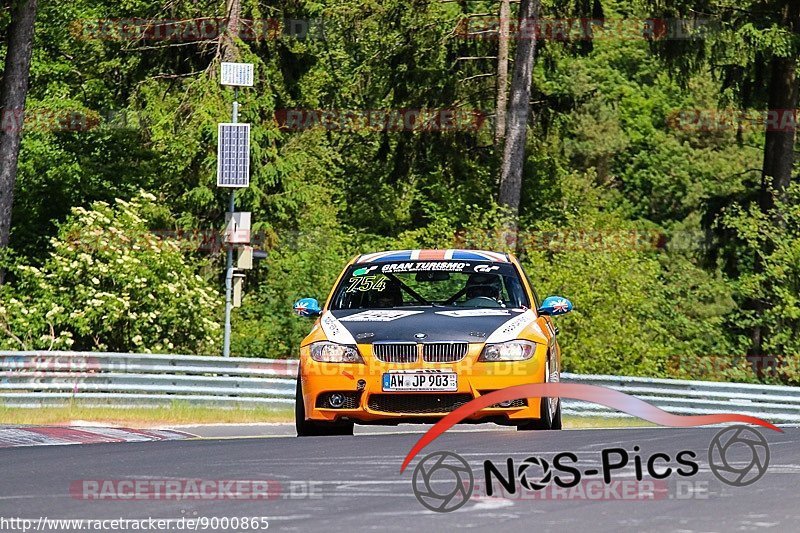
518, 350
330, 352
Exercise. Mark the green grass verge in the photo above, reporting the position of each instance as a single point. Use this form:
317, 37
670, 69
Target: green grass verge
586, 422
176, 414
182, 414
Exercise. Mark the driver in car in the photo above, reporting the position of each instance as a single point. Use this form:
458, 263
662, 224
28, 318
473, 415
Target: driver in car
391, 296
484, 286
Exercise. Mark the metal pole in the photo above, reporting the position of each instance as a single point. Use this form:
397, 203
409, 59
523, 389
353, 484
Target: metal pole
226, 341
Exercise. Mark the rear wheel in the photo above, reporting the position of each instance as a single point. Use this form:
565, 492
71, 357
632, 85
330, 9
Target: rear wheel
550, 418
309, 428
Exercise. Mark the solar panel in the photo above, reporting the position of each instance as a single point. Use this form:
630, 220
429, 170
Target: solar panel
233, 155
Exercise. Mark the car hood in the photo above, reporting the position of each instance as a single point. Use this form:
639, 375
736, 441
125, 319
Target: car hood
439, 324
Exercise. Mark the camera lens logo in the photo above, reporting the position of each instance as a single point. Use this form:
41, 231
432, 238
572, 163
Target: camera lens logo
738, 455
543, 480
443, 481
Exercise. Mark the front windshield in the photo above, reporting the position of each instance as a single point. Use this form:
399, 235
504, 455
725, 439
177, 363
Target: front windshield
442, 283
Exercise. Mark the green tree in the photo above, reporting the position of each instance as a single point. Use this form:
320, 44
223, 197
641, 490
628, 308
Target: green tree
752, 47
111, 284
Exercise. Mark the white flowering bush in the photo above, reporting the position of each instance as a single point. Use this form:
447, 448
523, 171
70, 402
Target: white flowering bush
111, 284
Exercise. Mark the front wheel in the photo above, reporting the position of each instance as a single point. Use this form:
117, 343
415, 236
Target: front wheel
309, 428
549, 418
547, 421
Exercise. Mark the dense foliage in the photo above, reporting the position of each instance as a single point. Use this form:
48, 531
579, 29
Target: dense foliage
645, 222
110, 284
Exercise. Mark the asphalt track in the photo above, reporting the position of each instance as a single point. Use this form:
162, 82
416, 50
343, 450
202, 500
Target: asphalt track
358, 487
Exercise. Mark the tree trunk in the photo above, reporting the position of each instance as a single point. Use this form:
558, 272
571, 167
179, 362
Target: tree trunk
12, 105
502, 75
780, 132
779, 141
519, 107
233, 12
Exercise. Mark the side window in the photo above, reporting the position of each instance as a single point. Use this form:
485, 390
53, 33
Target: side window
515, 293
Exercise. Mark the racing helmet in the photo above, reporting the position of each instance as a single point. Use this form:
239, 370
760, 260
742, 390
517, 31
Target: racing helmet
390, 296
486, 285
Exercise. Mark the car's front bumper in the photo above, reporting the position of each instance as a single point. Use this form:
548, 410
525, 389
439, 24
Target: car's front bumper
366, 402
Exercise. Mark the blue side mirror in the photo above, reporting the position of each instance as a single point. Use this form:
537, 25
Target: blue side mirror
307, 307
555, 305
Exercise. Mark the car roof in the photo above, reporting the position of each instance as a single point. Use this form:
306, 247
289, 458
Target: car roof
433, 255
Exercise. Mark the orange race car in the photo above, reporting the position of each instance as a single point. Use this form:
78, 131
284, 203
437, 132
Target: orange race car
411, 335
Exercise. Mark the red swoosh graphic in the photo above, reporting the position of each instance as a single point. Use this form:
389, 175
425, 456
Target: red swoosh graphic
589, 393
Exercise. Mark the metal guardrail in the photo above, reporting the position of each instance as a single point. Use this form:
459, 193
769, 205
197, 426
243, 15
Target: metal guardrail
35, 379
771, 402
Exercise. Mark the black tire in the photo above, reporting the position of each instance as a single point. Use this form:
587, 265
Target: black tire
555, 423
546, 422
308, 428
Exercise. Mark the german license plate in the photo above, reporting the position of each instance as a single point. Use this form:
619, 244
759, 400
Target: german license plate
412, 380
